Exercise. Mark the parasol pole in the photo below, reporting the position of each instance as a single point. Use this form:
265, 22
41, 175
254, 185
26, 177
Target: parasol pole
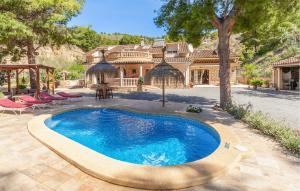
163, 78
163, 89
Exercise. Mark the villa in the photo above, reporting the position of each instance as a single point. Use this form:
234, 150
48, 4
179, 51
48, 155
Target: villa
199, 66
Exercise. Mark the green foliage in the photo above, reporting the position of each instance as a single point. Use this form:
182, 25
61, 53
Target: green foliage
88, 39
74, 68
76, 71
141, 80
193, 109
22, 86
238, 111
84, 37
256, 82
24, 24
266, 82
2, 78
133, 39
286, 136
249, 71
198, 18
128, 39
280, 32
1, 95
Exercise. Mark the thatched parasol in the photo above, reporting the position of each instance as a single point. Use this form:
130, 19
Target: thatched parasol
101, 68
164, 70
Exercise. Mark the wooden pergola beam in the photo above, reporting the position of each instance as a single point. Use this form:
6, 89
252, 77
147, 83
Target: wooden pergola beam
35, 67
8, 81
53, 81
17, 81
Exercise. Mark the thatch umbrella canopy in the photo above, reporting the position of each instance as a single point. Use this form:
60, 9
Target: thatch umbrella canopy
101, 68
164, 70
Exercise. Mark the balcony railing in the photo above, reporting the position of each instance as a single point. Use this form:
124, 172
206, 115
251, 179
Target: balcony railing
126, 82
130, 54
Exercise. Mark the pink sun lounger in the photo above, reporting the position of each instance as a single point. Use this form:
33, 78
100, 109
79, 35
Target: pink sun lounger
34, 101
47, 97
68, 95
7, 104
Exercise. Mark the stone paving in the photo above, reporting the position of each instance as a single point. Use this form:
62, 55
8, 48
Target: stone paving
26, 164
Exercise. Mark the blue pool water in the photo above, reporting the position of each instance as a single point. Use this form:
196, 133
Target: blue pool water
140, 138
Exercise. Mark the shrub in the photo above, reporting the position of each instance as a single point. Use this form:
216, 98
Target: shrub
141, 80
193, 109
76, 71
1, 95
249, 71
256, 82
286, 136
22, 86
266, 83
238, 111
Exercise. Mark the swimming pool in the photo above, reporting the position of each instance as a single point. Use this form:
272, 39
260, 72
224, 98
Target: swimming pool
139, 138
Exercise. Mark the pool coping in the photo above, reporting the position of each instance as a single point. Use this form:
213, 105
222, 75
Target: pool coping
134, 175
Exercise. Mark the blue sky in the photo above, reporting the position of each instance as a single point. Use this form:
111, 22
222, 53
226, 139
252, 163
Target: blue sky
124, 16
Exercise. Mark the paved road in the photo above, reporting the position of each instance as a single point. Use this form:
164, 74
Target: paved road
282, 106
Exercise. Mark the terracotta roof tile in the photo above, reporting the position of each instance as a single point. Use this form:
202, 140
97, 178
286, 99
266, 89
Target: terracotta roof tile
207, 53
293, 61
182, 60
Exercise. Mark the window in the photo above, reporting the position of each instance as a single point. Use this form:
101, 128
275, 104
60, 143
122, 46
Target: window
133, 71
172, 52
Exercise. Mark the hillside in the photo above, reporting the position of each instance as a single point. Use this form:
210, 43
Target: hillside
54, 56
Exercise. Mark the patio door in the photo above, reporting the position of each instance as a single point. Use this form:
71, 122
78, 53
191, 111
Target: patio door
200, 76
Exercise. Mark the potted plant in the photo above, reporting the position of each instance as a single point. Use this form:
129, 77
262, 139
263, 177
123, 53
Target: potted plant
256, 83
266, 83
140, 84
193, 109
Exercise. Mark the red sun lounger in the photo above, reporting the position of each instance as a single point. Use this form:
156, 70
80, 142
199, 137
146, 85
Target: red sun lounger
48, 97
34, 101
7, 104
68, 95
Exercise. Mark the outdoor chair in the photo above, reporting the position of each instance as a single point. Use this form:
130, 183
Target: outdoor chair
35, 102
99, 94
8, 105
68, 95
55, 99
109, 93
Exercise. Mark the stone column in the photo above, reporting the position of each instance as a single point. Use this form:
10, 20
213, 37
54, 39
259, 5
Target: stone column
187, 76
273, 77
141, 70
121, 76
279, 78
195, 77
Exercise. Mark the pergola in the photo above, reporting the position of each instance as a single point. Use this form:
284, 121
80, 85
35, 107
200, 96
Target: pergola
18, 68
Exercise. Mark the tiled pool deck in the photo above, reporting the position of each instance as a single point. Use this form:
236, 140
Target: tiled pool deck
26, 164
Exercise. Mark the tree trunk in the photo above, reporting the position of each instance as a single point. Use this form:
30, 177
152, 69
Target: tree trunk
224, 72
31, 60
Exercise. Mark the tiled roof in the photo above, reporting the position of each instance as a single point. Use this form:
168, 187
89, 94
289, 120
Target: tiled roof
292, 61
207, 53
181, 47
182, 60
